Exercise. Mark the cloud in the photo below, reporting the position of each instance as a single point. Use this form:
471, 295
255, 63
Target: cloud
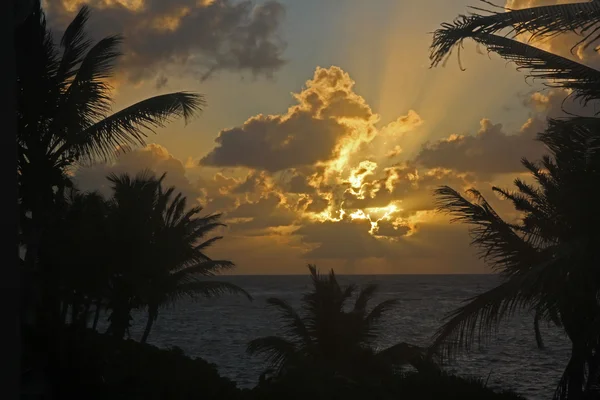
268, 212
204, 37
557, 103
328, 111
490, 151
153, 157
299, 184
329, 163
346, 239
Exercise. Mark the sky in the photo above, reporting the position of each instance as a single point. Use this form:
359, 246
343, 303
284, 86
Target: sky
325, 131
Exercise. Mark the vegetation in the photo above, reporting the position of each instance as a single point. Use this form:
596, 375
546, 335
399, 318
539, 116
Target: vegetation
99, 366
161, 246
334, 341
145, 247
548, 258
64, 119
537, 23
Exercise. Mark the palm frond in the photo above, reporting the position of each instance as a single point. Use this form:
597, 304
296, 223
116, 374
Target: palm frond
578, 134
207, 243
377, 311
479, 319
293, 323
364, 296
559, 72
536, 327
128, 127
88, 97
208, 289
74, 44
497, 241
204, 268
277, 351
539, 21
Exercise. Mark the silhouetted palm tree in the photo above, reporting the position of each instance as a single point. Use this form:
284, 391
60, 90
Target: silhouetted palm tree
74, 255
538, 22
178, 256
328, 338
64, 114
549, 259
160, 247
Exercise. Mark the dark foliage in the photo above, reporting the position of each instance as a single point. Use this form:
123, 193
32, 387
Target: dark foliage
89, 365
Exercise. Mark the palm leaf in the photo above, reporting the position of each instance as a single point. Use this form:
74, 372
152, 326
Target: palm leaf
128, 127
475, 322
364, 296
559, 71
479, 319
207, 243
293, 323
277, 351
536, 327
88, 96
377, 311
208, 289
204, 268
539, 21
74, 44
497, 241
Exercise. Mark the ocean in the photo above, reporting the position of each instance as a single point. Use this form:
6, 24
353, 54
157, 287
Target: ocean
219, 329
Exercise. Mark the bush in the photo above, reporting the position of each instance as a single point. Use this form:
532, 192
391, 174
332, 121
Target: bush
95, 366
409, 386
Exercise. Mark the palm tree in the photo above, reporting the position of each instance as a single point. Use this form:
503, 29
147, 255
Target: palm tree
547, 260
64, 114
160, 245
328, 338
539, 22
74, 254
179, 258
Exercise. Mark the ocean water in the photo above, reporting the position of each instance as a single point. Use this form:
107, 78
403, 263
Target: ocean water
219, 329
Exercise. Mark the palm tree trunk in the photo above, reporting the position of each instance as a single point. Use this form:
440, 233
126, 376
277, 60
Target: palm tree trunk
10, 337
86, 313
64, 311
536, 327
120, 320
75, 308
152, 315
97, 313
575, 372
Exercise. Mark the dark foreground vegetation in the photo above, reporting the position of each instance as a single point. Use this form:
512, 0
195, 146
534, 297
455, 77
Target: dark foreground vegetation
90, 365
145, 247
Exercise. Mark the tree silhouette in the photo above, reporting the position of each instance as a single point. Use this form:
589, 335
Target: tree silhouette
74, 256
64, 115
160, 249
328, 339
178, 256
548, 260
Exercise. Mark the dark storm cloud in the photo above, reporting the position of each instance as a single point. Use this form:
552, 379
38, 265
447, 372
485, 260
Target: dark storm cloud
202, 36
